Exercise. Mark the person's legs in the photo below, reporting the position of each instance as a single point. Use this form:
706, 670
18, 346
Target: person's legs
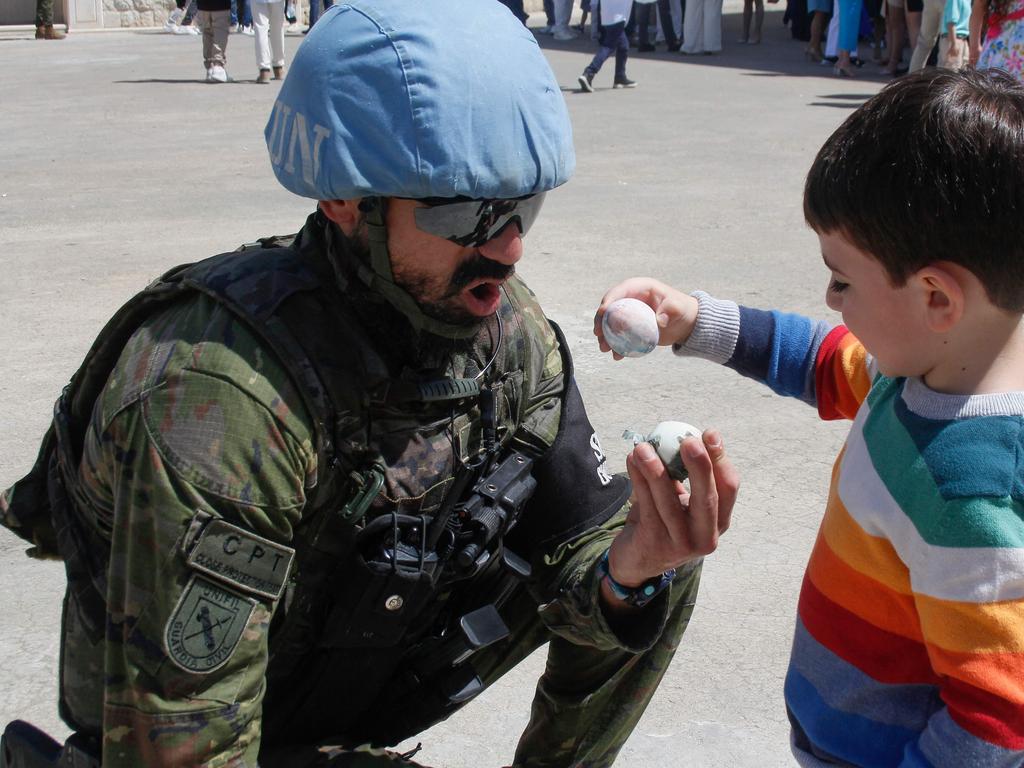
668, 27
832, 36
261, 27
563, 13
849, 27
608, 43
314, 12
693, 27
912, 18
818, 23
755, 36
621, 56
215, 34
712, 26
931, 26
44, 21
206, 29
894, 30
748, 14
644, 11
276, 34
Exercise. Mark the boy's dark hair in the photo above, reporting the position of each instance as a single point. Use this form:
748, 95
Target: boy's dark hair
931, 169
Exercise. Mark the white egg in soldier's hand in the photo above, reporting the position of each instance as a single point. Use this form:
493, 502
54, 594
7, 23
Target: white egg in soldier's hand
630, 327
666, 438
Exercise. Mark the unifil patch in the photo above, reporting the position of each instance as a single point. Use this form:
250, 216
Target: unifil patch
206, 625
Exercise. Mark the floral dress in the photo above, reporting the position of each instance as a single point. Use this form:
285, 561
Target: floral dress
1004, 41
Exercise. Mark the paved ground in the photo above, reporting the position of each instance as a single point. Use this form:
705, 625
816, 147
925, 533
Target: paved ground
118, 162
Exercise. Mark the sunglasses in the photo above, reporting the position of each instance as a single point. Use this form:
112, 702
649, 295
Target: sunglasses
473, 222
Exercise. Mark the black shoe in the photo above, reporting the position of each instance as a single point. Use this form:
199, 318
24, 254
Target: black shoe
624, 82
586, 81
673, 47
645, 48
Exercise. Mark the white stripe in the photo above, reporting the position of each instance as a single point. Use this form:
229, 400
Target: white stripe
965, 574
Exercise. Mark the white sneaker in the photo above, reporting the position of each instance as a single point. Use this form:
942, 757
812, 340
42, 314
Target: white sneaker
191, 29
237, 27
217, 74
248, 31
565, 34
209, 75
174, 20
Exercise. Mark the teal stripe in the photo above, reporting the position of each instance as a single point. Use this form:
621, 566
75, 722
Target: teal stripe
959, 522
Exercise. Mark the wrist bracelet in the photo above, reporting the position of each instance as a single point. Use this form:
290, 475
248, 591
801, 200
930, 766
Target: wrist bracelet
638, 596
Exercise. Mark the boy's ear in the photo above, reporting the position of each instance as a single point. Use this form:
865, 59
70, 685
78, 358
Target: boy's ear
944, 295
344, 213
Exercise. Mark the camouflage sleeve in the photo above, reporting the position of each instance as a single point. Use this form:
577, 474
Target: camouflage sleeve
575, 611
567, 585
197, 426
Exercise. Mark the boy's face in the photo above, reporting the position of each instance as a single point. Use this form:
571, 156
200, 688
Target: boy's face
887, 320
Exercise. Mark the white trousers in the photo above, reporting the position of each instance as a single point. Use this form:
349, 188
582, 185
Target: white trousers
702, 26
268, 24
931, 27
832, 41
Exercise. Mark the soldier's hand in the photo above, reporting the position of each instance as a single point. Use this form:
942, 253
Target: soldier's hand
676, 311
667, 525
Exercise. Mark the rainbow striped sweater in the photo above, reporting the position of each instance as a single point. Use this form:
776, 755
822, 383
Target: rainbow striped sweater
909, 642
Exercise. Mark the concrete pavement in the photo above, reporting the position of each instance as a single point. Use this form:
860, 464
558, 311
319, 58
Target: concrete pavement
118, 161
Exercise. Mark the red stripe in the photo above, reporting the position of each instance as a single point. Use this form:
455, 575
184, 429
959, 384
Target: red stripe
884, 656
985, 715
826, 382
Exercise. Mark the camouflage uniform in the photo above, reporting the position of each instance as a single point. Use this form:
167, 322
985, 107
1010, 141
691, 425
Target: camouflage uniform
199, 422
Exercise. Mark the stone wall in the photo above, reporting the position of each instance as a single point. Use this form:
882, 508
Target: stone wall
136, 13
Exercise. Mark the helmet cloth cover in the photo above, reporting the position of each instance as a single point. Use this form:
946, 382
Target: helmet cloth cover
417, 99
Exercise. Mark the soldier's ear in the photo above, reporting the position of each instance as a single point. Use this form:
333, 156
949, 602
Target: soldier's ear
344, 213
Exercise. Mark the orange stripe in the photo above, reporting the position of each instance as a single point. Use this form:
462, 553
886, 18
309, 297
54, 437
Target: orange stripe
873, 556
999, 673
853, 359
862, 595
980, 628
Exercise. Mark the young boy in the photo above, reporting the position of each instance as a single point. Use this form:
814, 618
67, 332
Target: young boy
909, 644
613, 16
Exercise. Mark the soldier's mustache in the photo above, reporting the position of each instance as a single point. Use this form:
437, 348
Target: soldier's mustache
478, 268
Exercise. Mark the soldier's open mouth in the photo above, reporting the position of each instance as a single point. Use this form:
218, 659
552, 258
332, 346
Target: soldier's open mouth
483, 298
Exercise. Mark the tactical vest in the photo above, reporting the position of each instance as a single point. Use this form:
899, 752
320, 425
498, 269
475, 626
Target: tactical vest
387, 443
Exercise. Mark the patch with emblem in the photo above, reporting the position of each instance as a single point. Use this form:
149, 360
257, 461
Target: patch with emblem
206, 625
241, 559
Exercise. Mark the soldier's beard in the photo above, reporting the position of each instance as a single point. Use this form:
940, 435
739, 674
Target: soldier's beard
427, 347
446, 307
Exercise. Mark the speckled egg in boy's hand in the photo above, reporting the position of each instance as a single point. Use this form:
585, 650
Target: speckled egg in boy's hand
630, 327
666, 439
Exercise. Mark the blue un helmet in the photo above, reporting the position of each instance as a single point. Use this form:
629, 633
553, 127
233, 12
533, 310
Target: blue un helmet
419, 99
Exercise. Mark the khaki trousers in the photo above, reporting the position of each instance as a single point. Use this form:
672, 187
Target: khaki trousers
215, 26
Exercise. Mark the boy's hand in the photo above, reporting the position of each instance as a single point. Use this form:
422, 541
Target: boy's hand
675, 310
953, 52
668, 526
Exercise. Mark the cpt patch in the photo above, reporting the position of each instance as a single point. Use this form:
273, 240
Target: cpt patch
206, 625
240, 558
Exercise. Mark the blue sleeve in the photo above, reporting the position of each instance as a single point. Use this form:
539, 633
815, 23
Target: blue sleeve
779, 349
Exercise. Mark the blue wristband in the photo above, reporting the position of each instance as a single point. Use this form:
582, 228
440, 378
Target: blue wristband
636, 596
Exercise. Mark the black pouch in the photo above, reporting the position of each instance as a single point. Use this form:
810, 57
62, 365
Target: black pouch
376, 604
